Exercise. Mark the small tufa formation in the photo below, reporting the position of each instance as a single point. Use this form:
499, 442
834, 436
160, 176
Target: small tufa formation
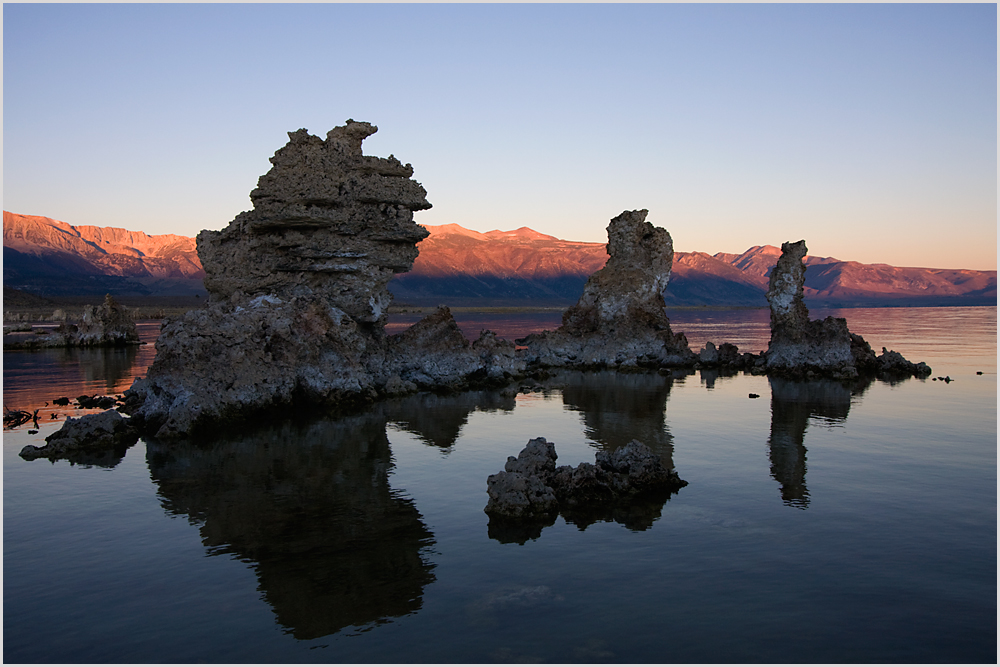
801, 347
107, 325
99, 439
434, 354
620, 320
327, 222
532, 487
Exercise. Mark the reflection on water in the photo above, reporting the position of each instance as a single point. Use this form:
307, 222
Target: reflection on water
310, 507
793, 403
615, 409
317, 540
33, 378
438, 420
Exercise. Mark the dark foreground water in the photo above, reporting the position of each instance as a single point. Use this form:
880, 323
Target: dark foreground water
821, 523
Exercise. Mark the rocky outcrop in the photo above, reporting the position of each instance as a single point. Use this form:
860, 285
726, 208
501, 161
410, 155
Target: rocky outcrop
107, 325
620, 320
803, 347
434, 353
249, 354
327, 222
98, 439
298, 289
532, 487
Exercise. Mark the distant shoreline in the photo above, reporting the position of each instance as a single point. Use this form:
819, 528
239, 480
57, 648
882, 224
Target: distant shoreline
25, 307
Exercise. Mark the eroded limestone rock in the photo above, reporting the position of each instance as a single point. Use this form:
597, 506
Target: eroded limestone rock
327, 221
98, 439
248, 354
620, 320
298, 302
800, 346
106, 325
532, 487
434, 353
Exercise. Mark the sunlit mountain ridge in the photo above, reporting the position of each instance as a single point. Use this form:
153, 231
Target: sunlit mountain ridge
462, 267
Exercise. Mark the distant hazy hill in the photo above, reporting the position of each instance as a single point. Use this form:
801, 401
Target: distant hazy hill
459, 267
46, 256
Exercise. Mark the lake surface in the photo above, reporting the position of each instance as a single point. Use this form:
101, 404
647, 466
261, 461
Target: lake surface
822, 522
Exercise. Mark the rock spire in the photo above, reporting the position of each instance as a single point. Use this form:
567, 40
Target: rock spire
620, 320
803, 347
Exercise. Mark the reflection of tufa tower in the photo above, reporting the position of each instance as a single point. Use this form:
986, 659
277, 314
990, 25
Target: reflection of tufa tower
309, 506
792, 404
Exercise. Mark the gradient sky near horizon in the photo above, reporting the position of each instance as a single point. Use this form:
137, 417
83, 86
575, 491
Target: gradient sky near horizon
868, 130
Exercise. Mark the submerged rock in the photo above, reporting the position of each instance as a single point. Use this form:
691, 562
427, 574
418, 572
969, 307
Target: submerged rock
99, 439
532, 487
802, 347
620, 320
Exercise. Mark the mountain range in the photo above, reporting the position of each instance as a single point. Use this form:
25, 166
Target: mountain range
53, 258
462, 267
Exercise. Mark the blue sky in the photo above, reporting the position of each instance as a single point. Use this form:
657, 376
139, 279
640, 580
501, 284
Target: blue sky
868, 130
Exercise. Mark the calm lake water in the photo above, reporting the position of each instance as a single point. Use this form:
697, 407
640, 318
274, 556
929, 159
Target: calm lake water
821, 523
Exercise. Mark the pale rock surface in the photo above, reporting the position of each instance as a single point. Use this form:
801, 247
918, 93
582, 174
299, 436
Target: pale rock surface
327, 221
620, 320
108, 325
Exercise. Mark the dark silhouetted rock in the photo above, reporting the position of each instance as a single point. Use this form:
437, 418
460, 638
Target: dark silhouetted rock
99, 439
532, 486
521, 489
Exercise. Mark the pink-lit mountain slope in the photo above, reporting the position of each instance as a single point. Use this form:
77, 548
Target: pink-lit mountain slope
48, 256
459, 266
830, 281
